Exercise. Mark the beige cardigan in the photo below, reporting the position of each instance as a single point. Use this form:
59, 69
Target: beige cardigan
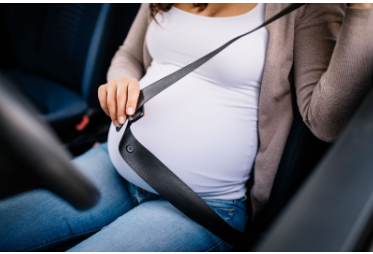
330, 75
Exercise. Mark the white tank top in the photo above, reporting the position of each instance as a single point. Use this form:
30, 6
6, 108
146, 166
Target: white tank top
204, 127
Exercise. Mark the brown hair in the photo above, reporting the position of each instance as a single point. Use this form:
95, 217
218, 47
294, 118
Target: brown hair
155, 8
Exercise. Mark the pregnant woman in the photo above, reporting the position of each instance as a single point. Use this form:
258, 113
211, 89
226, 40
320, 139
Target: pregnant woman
211, 127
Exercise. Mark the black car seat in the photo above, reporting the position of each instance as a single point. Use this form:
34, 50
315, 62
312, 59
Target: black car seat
58, 54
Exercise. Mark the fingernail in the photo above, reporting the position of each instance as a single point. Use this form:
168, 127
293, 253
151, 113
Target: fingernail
121, 120
116, 124
130, 111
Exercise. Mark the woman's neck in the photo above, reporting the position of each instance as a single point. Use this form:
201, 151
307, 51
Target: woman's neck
218, 9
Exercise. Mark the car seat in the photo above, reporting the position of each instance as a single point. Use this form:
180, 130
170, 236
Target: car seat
59, 54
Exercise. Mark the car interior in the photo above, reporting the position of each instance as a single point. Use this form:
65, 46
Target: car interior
57, 55
54, 58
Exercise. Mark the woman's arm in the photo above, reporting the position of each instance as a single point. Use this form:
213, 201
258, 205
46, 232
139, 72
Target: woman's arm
118, 98
128, 60
332, 76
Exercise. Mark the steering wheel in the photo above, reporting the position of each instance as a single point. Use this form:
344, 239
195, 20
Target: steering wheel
31, 156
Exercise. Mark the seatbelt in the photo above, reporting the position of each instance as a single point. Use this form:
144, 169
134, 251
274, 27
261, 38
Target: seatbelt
162, 179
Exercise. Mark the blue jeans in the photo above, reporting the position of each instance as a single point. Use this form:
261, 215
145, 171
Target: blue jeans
125, 219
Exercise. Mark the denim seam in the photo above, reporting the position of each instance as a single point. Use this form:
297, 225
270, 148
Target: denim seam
56, 240
233, 217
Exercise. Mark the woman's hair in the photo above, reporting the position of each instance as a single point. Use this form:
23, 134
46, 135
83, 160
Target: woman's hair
155, 8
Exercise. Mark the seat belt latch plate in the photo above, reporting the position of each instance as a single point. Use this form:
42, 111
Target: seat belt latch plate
138, 114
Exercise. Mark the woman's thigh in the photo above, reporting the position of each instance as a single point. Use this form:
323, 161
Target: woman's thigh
159, 226
38, 218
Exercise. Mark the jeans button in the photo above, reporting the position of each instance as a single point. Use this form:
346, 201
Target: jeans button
142, 191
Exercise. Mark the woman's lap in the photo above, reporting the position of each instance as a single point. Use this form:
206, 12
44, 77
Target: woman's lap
153, 226
38, 219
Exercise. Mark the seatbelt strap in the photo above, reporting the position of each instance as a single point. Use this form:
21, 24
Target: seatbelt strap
162, 179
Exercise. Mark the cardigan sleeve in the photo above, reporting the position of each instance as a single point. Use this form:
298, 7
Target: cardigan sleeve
128, 60
331, 75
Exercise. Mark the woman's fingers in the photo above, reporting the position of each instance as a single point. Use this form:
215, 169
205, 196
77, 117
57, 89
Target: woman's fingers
112, 101
133, 96
119, 99
102, 97
122, 99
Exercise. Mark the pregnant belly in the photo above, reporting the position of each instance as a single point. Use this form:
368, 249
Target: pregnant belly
207, 141
212, 167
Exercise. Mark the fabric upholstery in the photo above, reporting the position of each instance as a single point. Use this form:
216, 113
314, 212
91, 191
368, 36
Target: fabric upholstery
52, 40
56, 103
68, 46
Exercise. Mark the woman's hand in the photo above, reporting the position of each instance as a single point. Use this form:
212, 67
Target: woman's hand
118, 98
363, 5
